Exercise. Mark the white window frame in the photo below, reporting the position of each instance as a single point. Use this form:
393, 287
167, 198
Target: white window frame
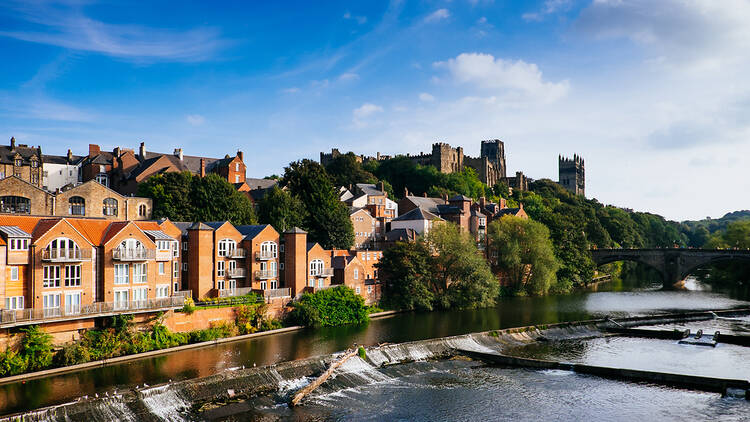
162, 291
316, 267
269, 248
19, 244
140, 273
184, 266
14, 273
71, 308
122, 277
51, 276
14, 302
118, 294
226, 247
220, 284
263, 285
73, 275
140, 294
50, 301
357, 289
175, 269
274, 284
162, 268
220, 268
356, 274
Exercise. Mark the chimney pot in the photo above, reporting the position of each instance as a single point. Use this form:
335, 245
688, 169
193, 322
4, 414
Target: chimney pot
178, 153
241, 156
12, 142
142, 151
203, 167
70, 155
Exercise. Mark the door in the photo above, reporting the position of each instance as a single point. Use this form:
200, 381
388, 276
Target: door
72, 303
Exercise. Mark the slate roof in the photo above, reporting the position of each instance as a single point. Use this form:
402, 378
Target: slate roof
262, 183
417, 214
461, 198
296, 230
183, 226
61, 159
404, 235
507, 211
369, 189
448, 209
7, 155
14, 231
430, 204
191, 163
250, 231
199, 226
215, 224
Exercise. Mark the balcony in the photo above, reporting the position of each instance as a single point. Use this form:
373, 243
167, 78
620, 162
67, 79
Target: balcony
66, 255
266, 274
10, 318
237, 291
325, 272
165, 255
238, 253
236, 273
276, 293
265, 255
141, 254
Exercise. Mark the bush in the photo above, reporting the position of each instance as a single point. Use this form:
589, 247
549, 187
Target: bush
36, 348
331, 307
249, 318
216, 332
189, 306
11, 363
362, 353
72, 354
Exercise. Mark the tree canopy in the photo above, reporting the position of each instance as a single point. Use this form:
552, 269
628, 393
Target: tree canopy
282, 210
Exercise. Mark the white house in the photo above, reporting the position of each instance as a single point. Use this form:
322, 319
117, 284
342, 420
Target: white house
60, 170
419, 220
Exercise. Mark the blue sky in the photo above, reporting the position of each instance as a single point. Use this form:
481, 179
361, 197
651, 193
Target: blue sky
654, 95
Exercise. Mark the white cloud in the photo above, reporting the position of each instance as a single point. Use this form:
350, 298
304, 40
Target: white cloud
426, 97
290, 90
365, 110
195, 119
438, 15
69, 28
349, 76
549, 7
516, 79
359, 19
482, 20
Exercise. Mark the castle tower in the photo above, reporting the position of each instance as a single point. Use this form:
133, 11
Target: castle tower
572, 174
494, 151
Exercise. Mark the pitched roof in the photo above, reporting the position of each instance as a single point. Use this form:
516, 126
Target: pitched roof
417, 214
183, 226
250, 231
403, 235
158, 235
190, 163
461, 198
112, 230
199, 226
430, 204
14, 231
7, 155
147, 225
296, 230
23, 222
261, 183
369, 189
93, 230
449, 209
507, 211
61, 159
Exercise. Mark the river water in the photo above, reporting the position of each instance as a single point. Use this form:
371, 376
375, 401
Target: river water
420, 393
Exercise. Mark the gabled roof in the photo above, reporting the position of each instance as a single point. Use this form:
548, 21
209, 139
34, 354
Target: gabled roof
190, 163
260, 183
403, 235
417, 214
23, 222
341, 262
449, 209
183, 226
98, 185
14, 231
354, 210
430, 204
62, 159
250, 231
370, 189
113, 229
92, 230
158, 235
460, 198
7, 155
296, 230
199, 226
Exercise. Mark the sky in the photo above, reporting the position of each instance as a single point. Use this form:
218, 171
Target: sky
653, 94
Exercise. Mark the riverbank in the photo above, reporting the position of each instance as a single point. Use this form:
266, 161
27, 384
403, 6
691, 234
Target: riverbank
223, 394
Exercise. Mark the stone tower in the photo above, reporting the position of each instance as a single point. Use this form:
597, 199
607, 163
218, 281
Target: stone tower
494, 151
572, 174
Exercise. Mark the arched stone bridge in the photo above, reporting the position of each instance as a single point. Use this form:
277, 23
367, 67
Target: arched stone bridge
673, 264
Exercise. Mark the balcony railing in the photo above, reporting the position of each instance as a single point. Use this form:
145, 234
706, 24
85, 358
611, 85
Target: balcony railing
163, 255
65, 255
236, 273
237, 253
237, 291
265, 274
34, 316
140, 254
325, 272
275, 293
183, 293
265, 255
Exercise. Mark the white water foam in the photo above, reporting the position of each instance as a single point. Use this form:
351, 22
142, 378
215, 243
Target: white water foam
164, 403
468, 343
293, 384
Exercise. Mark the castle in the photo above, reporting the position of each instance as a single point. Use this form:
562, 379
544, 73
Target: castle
490, 165
572, 174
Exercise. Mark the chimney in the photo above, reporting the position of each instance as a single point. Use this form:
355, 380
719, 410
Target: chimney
382, 187
12, 142
203, 167
406, 192
70, 156
94, 150
178, 153
142, 151
116, 152
482, 202
241, 156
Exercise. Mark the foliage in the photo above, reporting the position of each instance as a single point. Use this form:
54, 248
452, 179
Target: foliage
327, 220
524, 254
406, 269
189, 306
36, 348
346, 169
282, 210
443, 270
362, 353
188, 197
249, 319
11, 363
330, 307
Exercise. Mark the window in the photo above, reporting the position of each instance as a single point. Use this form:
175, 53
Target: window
175, 249
161, 268
72, 303
274, 284
121, 273
72, 276
162, 291
312, 282
357, 289
231, 266
281, 248
220, 269
77, 206
316, 267
263, 285
220, 284
2, 175
226, 247
15, 204
102, 168
62, 247
131, 249
356, 274
184, 266
14, 302
184, 246
237, 167
142, 210
321, 282
232, 284
268, 249
140, 272
236, 178
140, 294
34, 179
19, 162
176, 269
51, 276
369, 289
110, 206
51, 303
121, 299
19, 244
281, 265
102, 178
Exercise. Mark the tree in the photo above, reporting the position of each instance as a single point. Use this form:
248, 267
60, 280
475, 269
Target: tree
346, 170
281, 210
525, 254
331, 307
188, 197
406, 270
327, 220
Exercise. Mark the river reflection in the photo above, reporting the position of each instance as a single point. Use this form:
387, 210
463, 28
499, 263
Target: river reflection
618, 298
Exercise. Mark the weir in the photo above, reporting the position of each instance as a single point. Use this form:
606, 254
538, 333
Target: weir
226, 393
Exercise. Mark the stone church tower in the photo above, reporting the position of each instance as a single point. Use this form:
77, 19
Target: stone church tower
572, 174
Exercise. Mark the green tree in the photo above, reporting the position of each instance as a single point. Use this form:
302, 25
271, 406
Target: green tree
406, 270
524, 254
327, 220
330, 307
346, 169
36, 348
281, 210
170, 193
461, 277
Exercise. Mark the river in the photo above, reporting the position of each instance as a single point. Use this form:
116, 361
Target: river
618, 299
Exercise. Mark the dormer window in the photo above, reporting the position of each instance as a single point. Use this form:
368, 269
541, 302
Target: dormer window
18, 244
34, 163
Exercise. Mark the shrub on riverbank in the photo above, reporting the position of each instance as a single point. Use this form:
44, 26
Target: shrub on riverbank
35, 350
331, 307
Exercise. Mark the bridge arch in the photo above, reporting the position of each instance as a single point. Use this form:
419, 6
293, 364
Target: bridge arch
690, 265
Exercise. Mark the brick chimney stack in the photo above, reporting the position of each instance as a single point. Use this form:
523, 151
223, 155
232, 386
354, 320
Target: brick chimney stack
142, 151
178, 153
70, 156
13, 142
382, 187
241, 156
94, 150
482, 202
203, 167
